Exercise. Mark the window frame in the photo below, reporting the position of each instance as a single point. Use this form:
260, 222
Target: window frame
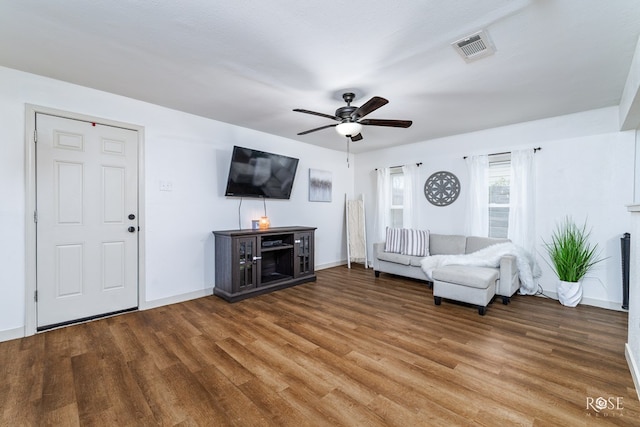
396, 211
498, 163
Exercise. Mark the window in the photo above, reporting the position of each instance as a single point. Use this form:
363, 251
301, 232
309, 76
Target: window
397, 197
499, 184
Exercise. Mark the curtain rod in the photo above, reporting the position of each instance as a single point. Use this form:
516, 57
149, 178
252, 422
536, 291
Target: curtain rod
417, 164
507, 152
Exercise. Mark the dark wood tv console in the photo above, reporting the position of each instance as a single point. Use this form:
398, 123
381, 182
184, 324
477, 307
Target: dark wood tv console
254, 262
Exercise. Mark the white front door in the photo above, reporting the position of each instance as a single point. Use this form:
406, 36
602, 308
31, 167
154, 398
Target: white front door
87, 220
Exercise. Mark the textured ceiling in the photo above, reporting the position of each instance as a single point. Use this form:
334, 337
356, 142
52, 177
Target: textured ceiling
251, 62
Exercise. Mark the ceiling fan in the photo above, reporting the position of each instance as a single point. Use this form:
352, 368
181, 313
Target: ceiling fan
351, 118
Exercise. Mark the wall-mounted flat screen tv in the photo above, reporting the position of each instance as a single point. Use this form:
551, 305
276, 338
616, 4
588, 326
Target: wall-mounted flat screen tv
255, 173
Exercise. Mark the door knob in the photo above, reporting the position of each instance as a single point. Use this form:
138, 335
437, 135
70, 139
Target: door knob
131, 229
132, 216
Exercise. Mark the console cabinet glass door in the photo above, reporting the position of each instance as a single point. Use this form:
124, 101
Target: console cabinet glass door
303, 247
246, 259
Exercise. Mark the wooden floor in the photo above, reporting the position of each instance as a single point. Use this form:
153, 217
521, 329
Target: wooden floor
349, 349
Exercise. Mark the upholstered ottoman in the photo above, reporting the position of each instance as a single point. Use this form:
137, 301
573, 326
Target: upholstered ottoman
469, 284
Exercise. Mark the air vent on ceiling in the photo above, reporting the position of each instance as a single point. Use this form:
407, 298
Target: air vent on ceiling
474, 46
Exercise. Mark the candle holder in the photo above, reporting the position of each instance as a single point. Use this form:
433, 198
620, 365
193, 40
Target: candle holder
264, 223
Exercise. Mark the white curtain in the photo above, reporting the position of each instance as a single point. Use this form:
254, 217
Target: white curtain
477, 215
411, 178
522, 200
383, 202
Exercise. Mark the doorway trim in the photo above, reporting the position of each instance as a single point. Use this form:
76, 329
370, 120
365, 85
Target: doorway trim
31, 110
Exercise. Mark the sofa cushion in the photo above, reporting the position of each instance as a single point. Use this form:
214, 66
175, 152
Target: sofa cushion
415, 242
475, 243
393, 241
395, 258
446, 244
466, 275
400, 259
414, 261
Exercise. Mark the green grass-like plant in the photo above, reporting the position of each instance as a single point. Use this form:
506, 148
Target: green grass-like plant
570, 252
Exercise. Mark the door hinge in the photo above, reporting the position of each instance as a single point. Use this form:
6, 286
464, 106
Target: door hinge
35, 216
35, 136
35, 295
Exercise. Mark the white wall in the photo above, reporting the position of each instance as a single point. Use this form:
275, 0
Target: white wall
632, 349
192, 153
585, 169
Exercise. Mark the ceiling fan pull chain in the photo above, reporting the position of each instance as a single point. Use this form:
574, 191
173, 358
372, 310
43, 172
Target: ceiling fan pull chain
348, 145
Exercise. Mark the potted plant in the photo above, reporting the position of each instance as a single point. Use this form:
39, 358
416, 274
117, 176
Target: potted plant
572, 256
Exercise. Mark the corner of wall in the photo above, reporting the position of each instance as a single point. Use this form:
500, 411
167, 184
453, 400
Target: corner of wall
629, 108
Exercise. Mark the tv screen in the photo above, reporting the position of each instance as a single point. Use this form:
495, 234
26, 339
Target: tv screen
255, 173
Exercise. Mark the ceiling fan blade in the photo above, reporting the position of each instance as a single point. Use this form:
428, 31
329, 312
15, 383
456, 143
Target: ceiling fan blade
357, 137
371, 105
299, 110
383, 122
320, 128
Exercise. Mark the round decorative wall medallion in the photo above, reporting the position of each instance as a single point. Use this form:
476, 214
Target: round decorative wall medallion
442, 188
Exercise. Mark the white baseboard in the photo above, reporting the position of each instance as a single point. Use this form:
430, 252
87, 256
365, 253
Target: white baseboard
609, 305
339, 263
330, 265
12, 334
635, 371
175, 299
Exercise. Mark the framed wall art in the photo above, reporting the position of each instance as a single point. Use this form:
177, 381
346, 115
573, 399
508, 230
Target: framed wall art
320, 185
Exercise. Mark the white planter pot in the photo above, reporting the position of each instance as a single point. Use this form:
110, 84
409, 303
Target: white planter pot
569, 293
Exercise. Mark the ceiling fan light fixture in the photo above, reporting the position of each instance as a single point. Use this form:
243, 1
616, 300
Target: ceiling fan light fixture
349, 128
351, 118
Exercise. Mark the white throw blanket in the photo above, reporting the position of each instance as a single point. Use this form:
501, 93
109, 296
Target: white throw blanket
528, 269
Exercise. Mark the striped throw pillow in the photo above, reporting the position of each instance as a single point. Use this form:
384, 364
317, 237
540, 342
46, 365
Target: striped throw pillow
393, 242
415, 242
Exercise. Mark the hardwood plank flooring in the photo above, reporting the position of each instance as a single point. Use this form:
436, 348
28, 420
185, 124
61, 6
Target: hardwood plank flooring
349, 349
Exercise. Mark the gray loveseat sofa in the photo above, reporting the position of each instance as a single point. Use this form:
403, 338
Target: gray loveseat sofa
460, 283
